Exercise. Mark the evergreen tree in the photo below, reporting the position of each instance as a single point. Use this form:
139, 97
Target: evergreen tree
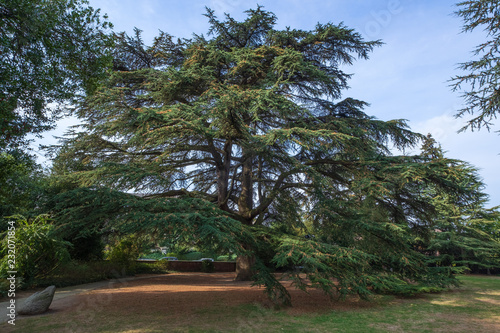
480, 82
465, 236
238, 139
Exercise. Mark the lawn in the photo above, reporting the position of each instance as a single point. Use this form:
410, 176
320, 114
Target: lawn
214, 303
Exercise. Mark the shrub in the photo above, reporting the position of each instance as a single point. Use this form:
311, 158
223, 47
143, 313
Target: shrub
125, 253
207, 266
38, 250
152, 255
231, 257
191, 256
159, 267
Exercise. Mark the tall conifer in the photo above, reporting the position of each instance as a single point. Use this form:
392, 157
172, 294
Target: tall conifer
241, 139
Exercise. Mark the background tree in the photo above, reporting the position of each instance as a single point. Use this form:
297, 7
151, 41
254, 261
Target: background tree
52, 51
480, 83
464, 235
236, 140
467, 237
20, 183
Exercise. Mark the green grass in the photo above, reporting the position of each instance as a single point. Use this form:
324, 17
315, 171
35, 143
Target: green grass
472, 308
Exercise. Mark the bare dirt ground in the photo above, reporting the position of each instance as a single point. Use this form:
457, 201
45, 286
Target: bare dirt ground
180, 298
180, 294
201, 302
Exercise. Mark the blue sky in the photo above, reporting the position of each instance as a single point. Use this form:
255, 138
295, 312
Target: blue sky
406, 78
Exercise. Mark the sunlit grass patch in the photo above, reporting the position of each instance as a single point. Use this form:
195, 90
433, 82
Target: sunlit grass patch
449, 302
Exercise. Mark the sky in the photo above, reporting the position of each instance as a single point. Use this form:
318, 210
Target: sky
406, 78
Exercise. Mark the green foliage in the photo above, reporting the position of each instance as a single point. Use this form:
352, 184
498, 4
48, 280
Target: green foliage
160, 267
52, 51
207, 266
480, 82
464, 236
19, 182
340, 271
263, 276
231, 257
125, 253
154, 255
38, 250
104, 211
191, 256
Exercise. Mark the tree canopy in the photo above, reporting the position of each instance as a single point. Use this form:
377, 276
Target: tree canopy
242, 139
480, 82
52, 51
19, 183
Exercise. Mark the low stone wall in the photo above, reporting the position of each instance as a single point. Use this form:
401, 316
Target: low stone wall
195, 266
